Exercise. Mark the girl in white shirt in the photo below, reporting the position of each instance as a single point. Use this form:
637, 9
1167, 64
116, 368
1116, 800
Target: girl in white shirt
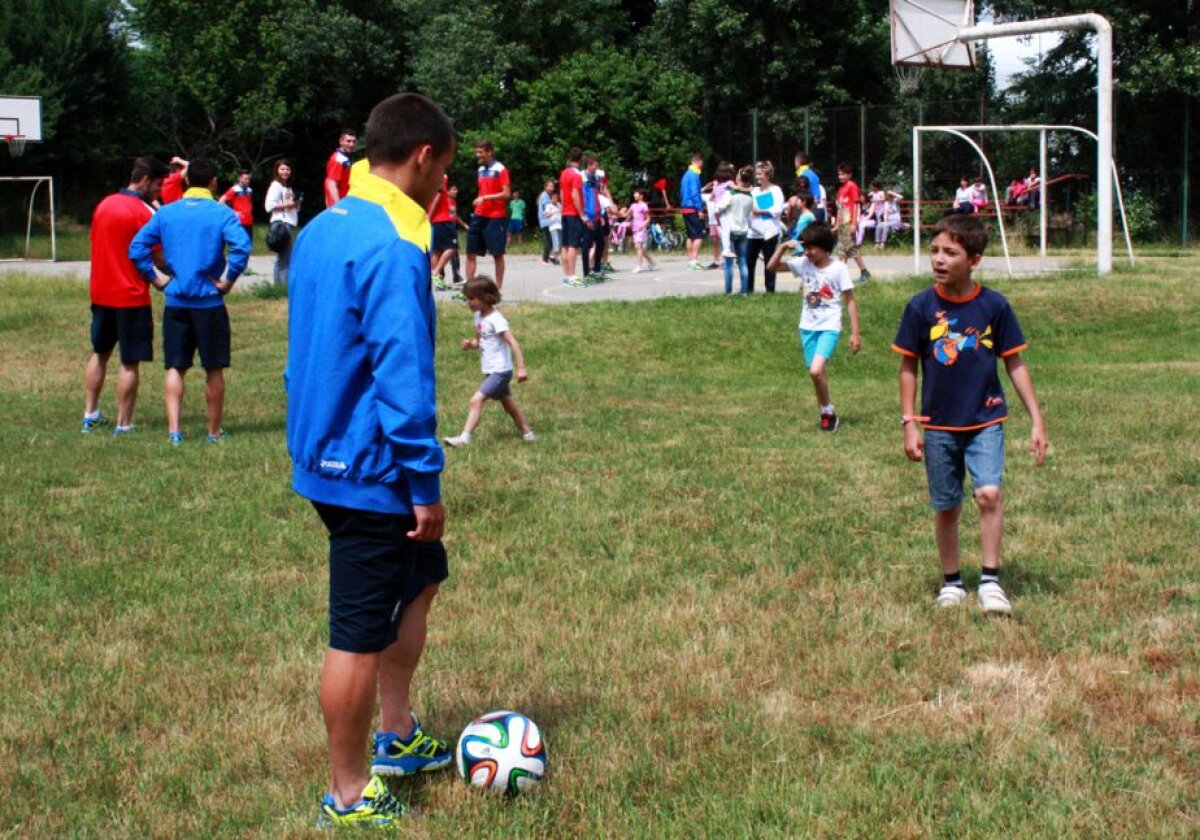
764, 223
734, 210
284, 206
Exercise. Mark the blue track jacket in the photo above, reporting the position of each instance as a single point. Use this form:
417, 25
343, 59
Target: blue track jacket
362, 408
689, 191
193, 233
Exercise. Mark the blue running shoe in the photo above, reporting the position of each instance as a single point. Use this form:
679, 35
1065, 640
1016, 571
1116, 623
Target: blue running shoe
378, 808
90, 424
217, 438
118, 431
419, 753
175, 438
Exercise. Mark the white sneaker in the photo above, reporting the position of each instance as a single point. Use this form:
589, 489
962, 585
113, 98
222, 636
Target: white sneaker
529, 437
637, 270
457, 440
951, 596
992, 599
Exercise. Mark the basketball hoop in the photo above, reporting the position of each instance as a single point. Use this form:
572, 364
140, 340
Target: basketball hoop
15, 143
909, 76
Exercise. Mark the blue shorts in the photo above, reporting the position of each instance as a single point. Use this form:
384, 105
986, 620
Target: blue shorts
445, 236
574, 232
496, 386
950, 455
132, 327
186, 330
487, 236
818, 343
694, 225
515, 226
375, 571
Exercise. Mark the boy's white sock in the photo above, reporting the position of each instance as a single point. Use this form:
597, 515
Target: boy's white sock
465, 435
827, 409
92, 415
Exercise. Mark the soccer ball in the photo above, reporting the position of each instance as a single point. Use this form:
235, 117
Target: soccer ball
502, 752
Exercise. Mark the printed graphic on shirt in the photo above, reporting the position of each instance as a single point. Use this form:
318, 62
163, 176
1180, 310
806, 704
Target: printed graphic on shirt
948, 345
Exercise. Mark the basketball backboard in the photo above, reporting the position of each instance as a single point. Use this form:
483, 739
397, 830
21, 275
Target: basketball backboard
925, 33
21, 116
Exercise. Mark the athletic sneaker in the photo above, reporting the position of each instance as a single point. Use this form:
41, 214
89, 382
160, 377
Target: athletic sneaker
440, 283
175, 438
951, 596
608, 267
637, 269
595, 277
529, 437
992, 599
830, 422
419, 753
714, 264
460, 297
118, 431
458, 440
864, 277
574, 282
695, 266
378, 808
90, 424
217, 438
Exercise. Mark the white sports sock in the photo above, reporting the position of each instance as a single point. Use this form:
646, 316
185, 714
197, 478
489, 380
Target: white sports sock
827, 409
92, 415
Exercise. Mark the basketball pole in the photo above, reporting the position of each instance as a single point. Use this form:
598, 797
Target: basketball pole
1104, 110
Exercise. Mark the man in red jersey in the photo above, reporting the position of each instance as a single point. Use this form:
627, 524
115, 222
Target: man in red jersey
120, 295
337, 168
574, 233
240, 198
172, 186
488, 232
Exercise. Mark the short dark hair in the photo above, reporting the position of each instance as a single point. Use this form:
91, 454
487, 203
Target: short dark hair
575, 154
486, 145
800, 186
820, 236
845, 167
201, 173
803, 158
482, 288
150, 166
404, 122
242, 172
967, 231
588, 160
347, 132
725, 171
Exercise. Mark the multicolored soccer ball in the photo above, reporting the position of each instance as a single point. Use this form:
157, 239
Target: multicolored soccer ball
502, 752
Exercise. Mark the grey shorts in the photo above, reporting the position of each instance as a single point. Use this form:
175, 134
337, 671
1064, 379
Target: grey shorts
495, 387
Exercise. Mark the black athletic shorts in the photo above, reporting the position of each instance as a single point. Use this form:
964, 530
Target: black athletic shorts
574, 232
487, 236
131, 327
375, 571
694, 225
186, 330
445, 236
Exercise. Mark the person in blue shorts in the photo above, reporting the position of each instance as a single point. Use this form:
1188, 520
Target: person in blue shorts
956, 332
362, 434
194, 233
488, 232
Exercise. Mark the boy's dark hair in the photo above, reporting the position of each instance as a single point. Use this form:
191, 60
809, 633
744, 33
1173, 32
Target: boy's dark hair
201, 173
725, 171
845, 167
575, 154
588, 160
148, 165
486, 145
800, 187
806, 201
819, 236
402, 123
242, 172
482, 288
967, 231
697, 156
347, 132
803, 158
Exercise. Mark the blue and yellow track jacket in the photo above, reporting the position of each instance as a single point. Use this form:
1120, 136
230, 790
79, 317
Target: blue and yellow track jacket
362, 408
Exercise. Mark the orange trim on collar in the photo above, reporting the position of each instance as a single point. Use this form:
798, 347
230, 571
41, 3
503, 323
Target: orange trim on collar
974, 293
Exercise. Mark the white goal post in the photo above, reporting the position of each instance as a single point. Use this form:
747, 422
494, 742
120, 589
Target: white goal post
37, 181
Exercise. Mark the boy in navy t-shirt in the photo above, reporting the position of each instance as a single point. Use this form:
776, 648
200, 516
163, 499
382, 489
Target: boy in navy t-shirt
957, 330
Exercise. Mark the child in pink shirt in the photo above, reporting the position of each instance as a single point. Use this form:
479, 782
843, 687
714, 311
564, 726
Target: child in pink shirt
639, 215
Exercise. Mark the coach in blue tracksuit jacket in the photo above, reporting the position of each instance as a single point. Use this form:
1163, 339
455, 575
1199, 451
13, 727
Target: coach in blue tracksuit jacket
362, 434
194, 233
691, 207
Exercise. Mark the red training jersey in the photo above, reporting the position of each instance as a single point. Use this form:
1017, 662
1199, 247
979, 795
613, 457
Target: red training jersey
115, 280
172, 189
443, 211
241, 199
570, 180
493, 178
848, 199
337, 168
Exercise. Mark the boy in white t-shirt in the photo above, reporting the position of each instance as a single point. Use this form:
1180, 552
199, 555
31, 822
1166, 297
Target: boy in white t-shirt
498, 348
825, 284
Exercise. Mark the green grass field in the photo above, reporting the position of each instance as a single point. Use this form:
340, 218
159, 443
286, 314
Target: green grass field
721, 618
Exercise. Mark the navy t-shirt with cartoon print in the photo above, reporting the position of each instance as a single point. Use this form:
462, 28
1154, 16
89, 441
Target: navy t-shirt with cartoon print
959, 341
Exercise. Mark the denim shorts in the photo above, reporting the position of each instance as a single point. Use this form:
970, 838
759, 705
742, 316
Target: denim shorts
950, 455
818, 343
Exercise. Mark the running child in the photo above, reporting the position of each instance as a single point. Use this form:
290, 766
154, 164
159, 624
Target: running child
498, 348
826, 284
639, 225
845, 224
956, 331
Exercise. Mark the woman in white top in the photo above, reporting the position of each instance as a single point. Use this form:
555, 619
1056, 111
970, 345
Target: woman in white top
764, 223
284, 206
733, 212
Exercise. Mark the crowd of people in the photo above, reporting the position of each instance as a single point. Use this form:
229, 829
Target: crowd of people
361, 389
